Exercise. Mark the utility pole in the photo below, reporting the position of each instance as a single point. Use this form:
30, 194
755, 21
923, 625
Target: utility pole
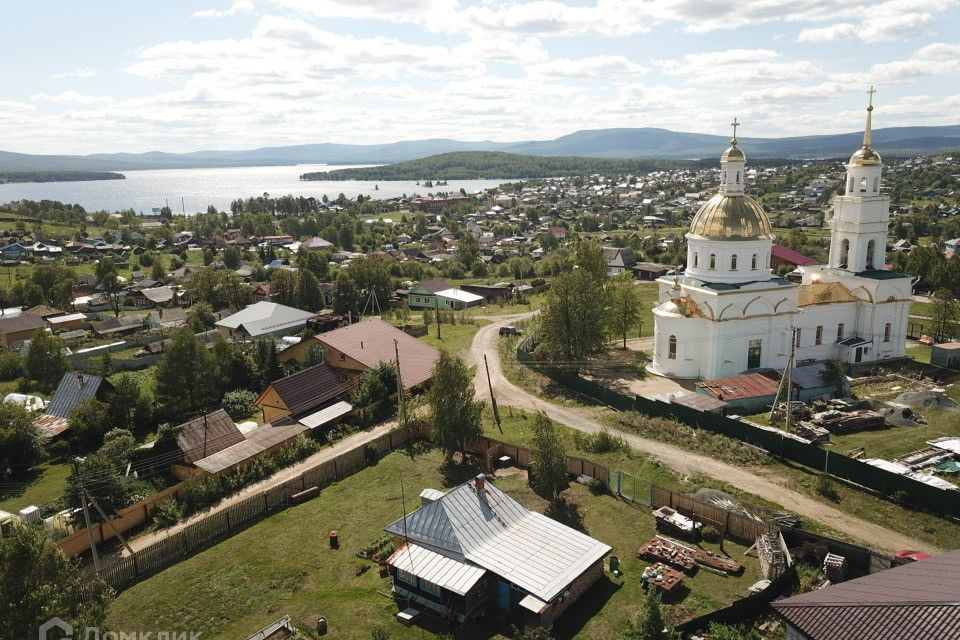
794, 333
401, 411
493, 399
109, 522
436, 304
86, 513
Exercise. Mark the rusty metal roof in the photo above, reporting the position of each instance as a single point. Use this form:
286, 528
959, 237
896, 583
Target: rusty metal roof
748, 385
257, 441
915, 601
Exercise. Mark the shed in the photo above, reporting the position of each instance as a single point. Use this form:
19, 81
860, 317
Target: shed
745, 393
206, 435
301, 393
946, 355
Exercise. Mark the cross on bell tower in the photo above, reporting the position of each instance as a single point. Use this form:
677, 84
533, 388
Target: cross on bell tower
735, 124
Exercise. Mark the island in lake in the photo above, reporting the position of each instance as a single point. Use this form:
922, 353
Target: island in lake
57, 176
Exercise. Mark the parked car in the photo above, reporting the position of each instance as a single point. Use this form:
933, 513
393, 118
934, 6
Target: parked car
511, 330
910, 554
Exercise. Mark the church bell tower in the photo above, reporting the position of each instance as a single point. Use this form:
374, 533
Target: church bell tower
861, 216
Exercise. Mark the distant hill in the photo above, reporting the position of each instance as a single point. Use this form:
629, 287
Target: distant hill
473, 165
640, 143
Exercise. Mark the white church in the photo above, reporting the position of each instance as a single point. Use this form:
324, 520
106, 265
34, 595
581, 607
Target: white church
728, 313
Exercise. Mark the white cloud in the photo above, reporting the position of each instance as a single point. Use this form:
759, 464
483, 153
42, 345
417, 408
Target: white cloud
82, 72
434, 13
597, 67
737, 66
239, 7
73, 97
936, 59
832, 33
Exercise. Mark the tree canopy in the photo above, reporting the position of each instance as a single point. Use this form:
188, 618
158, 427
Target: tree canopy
454, 413
548, 474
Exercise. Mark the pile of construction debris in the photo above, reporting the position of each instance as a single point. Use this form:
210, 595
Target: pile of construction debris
840, 422
932, 399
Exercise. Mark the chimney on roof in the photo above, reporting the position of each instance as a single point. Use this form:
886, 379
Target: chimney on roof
361, 344
479, 482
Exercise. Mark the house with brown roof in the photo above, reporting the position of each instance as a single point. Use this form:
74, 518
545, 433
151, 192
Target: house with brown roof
207, 435
19, 328
302, 393
356, 348
916, 600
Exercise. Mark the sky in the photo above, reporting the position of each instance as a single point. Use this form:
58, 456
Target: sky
135, 76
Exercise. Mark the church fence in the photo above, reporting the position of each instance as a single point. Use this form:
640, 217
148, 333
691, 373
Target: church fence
886, 483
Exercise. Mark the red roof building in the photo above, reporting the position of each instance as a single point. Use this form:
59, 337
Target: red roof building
781, 255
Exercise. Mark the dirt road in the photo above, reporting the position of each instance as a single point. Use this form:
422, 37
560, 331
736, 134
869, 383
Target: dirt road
278, 478
685, 462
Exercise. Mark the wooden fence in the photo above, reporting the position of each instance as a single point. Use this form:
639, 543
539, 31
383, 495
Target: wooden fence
224, 523
522, 457
732, 524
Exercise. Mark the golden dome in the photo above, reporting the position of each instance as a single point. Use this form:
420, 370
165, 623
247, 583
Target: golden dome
864, 157
731, 217
733, 153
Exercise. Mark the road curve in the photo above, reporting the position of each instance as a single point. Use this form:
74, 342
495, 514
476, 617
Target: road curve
682, 461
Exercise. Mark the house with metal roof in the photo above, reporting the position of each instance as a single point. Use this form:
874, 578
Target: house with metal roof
356, 348
18, 328
916, 600
206, 435
304, 393
74, 389
263, 319
474, 549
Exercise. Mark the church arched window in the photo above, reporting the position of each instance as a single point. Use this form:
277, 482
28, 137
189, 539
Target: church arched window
876, 185
870, 247
672, 348
844, 252
753, 262
738, 177
863, 185
733, 262
713, 261
696, 260
886, 332
850, 185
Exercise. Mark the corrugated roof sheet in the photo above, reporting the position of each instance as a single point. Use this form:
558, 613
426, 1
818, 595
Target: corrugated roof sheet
324, 416
748, 385
452, 575
308, 389
207, 435
256, 442
74, 389
824, 293
919, 600
51, 426
370, 342
808, 376
265, 317
490, 529
789, 255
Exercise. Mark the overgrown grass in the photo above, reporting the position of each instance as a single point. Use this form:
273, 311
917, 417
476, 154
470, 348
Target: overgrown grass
531, 381
455, 338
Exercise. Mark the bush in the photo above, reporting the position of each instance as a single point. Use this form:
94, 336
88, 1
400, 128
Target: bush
11, 365
901, 497
168, 513
826, 487
602, 442
239, 403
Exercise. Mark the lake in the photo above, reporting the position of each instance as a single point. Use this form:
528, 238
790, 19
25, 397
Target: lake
143, 191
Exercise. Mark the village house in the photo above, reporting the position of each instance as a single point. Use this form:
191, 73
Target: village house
619, 259
303, 395
263, 319
474, 548
437, 294
74, 389
354, 349
19, 328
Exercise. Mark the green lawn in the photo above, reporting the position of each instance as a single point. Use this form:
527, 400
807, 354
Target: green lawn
44, 483
892, 442
455, 338
920, 353
283, 566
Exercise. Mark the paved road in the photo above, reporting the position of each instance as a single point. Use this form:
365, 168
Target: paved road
682, 461
327, 453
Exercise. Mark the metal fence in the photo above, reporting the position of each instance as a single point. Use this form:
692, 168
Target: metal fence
905, 489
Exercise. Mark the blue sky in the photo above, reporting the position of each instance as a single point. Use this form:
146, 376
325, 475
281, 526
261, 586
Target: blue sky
84, 77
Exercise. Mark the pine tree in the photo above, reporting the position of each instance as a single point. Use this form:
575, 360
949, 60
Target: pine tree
649, 623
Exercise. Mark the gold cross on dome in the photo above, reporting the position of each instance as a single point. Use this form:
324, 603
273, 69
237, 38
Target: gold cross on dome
870, 92
735, 124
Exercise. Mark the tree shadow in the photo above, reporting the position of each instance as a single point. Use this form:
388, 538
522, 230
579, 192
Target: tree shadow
567, 513
455, 472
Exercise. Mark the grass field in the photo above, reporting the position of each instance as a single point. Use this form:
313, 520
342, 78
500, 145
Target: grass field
455, 338
283, 566
43, 483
